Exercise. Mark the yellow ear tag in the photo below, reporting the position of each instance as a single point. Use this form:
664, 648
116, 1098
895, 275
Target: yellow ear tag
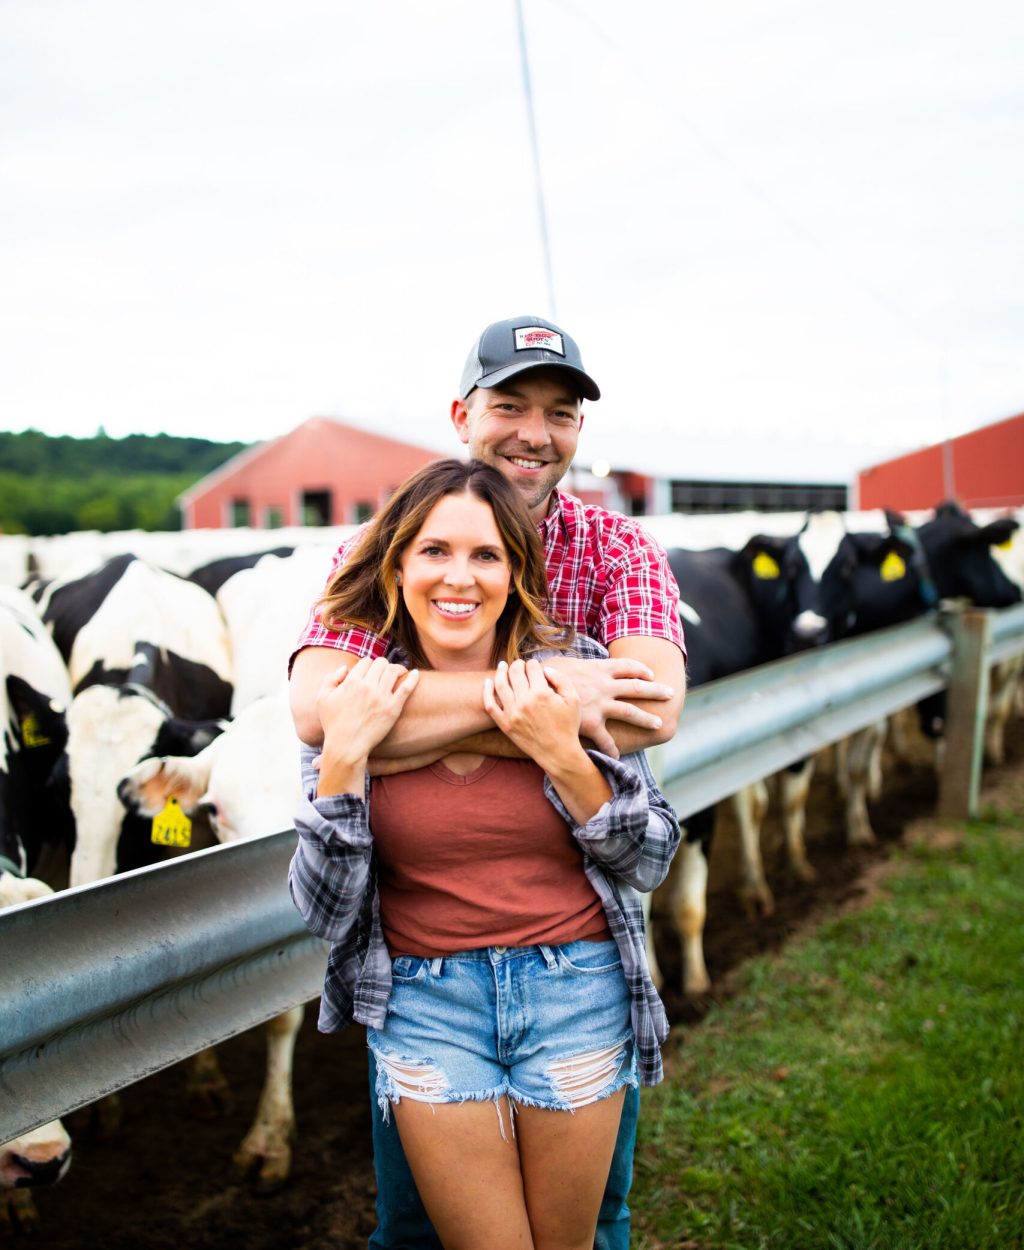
893, 567
171, 827
1004, 546
31, 734
765, 567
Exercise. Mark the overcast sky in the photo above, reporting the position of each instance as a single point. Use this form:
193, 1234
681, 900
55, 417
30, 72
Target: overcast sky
798, 223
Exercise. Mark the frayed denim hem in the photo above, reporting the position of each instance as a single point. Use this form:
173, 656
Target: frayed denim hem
576, 1081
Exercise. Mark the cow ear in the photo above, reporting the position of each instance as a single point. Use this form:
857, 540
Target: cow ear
998, 533
764, 556
147, 787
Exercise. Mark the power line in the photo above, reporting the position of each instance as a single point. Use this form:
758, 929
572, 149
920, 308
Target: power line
542, 215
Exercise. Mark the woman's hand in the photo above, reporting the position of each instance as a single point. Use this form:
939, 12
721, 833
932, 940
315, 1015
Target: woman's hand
357, 707
537, 708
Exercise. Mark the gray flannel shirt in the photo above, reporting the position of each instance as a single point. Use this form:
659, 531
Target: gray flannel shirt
627, 847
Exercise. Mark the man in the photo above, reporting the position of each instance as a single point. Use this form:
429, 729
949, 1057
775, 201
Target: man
519, 409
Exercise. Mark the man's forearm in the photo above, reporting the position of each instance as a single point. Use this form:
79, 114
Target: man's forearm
444, 709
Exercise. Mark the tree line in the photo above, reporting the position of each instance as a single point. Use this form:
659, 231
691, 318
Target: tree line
53, 485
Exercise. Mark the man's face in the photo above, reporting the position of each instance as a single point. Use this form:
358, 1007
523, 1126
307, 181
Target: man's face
527, 427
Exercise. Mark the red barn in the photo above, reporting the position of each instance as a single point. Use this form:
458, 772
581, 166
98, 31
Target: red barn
982, 469
322, 473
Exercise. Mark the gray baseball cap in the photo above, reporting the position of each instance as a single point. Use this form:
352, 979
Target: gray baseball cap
509, 347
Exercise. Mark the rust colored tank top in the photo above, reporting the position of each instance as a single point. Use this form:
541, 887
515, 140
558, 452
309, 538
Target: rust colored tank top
477, 860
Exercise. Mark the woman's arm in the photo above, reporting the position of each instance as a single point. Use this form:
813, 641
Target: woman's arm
536, 707
636, 833
329, 872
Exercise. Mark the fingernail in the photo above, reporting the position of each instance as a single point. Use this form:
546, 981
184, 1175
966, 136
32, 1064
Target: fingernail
657, 722
503, 664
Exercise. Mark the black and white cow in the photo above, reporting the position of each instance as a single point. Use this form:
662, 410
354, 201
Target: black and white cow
36, 832
961, 555
741, 609
774, 597
248, 781
148, 655
35, 835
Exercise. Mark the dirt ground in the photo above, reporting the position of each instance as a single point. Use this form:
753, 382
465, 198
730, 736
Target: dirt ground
164, 1181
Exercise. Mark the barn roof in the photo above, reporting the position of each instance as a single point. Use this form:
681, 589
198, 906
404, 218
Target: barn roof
331, 436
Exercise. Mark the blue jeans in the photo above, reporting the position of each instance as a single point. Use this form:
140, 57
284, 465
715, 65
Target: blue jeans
402, 1223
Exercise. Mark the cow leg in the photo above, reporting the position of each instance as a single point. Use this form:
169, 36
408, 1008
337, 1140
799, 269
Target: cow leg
653, 967
1003, 681
795, 786
899, 733
268, 1142
207, 1091
750, 805
864, 778
689, 898
39, 1157
17, 1211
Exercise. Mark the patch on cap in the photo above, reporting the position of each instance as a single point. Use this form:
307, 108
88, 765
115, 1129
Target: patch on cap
532, 337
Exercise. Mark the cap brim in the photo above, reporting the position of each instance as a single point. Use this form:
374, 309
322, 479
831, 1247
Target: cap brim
587, 386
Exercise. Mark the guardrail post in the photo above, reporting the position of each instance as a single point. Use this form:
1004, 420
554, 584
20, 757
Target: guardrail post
966, 708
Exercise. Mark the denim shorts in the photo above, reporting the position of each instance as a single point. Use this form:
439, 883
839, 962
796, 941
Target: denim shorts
548, 1026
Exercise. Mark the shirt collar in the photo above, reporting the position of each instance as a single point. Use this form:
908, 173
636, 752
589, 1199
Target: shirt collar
558, 514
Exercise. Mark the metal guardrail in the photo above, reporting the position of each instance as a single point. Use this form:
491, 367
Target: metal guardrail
105, 984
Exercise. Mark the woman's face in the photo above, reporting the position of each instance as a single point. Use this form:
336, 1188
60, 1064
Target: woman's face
455, 583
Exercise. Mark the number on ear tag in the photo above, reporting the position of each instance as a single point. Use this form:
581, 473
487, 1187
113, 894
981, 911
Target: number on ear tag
765, 567
893, 567
31, 734
171, 827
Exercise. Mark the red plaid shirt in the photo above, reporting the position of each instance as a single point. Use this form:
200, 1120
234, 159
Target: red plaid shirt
607, 578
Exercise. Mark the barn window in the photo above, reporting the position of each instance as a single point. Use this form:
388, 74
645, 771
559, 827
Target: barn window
241, 513
693, 496
273, 517
361, 511
316, 507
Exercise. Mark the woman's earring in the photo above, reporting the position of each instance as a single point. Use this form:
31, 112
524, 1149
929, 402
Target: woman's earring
398, 579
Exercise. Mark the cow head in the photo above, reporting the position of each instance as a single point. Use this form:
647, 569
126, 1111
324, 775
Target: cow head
110, 728
40, 1157
247, 781
886, 579
960, 557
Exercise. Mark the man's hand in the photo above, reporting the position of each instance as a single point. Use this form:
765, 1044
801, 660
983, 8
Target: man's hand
603, 688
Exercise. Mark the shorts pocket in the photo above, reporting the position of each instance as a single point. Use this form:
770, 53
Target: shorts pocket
590, 958
408, 968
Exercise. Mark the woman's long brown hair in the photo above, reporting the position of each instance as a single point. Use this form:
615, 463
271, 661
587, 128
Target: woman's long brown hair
364, 592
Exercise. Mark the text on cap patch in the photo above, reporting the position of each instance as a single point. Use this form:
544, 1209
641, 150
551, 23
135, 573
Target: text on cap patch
528, 337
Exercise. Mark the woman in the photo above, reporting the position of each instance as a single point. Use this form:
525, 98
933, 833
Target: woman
483, 912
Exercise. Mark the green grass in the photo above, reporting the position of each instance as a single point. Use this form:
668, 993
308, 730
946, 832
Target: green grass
865, 1090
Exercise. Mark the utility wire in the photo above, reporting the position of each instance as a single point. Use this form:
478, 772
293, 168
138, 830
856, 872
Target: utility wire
542, 214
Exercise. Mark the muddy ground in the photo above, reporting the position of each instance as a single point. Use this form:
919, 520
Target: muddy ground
164, 1181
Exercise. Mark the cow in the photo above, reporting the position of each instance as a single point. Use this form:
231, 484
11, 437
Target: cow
962, 556
149, 661
247, 782
41, 1156
741, 609
212, 575
776, 596
36, 832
